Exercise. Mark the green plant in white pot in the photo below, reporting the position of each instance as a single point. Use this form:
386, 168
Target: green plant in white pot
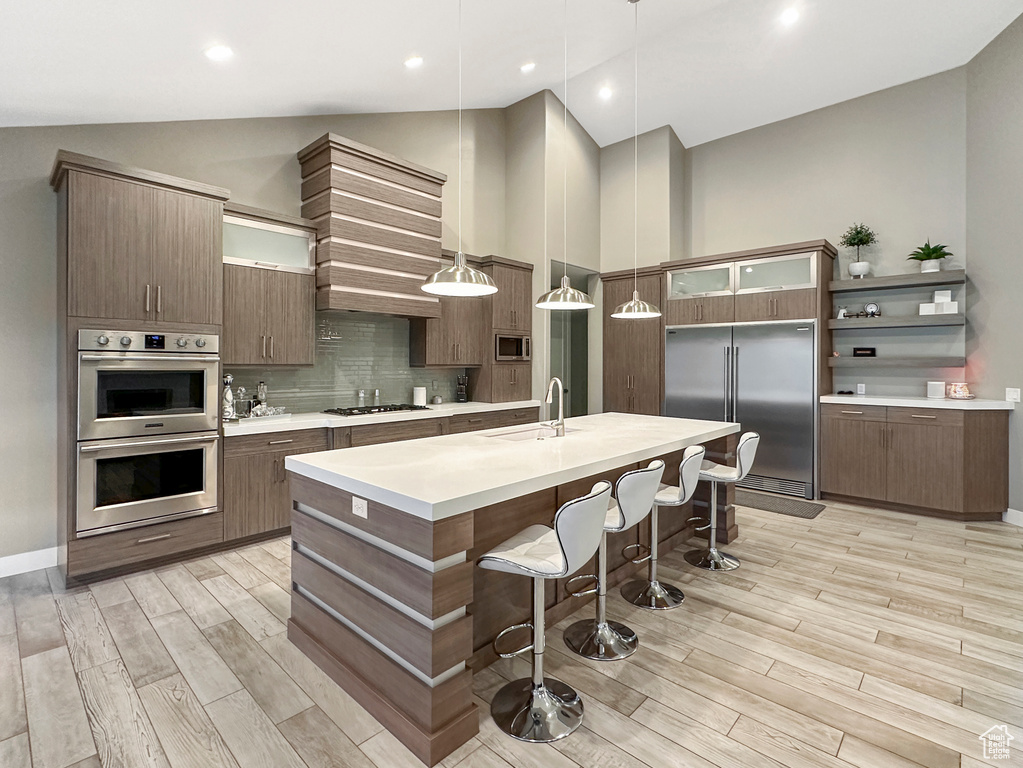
858, 236
930, 256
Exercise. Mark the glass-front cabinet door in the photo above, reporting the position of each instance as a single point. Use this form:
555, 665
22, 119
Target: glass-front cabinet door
778, 273
697, 282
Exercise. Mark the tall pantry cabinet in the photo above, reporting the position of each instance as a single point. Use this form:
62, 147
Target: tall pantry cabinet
633, 349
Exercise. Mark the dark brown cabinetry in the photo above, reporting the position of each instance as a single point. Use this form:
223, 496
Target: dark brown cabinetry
139, 252
268, 317
632, 349
797, 304
395, 431
257, 497
512, 305
511, 383
943, 462
455, 339
711, 309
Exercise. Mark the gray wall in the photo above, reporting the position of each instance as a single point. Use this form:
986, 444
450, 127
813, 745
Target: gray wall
994, 229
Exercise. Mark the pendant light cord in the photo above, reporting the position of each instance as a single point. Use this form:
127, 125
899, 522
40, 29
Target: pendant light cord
459, 126
564, 159
635, 149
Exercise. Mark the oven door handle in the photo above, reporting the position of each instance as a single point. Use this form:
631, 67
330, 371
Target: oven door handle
171, 441
129, 358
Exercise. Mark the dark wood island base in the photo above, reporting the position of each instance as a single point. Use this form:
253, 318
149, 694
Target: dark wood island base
393, 609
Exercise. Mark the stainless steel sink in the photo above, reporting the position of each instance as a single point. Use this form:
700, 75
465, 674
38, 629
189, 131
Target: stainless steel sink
541, 432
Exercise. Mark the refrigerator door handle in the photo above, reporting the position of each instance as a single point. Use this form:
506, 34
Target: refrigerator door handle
735, 383
727, 388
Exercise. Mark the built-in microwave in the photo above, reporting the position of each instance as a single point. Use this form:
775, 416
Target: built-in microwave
511, 347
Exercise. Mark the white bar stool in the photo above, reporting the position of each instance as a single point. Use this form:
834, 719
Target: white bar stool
598, 638
711, 559
539, 708
652, 593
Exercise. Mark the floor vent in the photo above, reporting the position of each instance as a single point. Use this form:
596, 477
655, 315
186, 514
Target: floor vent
774, 485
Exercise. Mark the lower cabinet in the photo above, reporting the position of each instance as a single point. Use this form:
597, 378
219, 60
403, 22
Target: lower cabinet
946, 462
257, 498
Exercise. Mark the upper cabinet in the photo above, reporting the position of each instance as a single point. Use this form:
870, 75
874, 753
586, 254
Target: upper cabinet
269, 288
513, 303
140, 245
633, 349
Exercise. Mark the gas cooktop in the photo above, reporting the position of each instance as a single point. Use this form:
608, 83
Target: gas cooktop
369, 409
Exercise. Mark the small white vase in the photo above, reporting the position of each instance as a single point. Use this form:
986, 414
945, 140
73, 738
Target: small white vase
859, 268
930, 265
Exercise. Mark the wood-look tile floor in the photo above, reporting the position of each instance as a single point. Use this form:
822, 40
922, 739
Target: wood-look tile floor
861, 638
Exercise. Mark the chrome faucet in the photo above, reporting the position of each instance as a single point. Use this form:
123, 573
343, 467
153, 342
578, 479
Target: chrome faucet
559, 424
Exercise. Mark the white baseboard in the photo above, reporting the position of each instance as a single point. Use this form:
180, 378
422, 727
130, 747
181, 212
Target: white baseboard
1013, 516
28, 561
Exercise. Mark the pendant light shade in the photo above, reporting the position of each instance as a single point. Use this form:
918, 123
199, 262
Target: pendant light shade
565, 297
459, 280
637, 309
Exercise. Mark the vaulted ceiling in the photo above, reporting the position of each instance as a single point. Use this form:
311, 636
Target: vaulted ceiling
708, 68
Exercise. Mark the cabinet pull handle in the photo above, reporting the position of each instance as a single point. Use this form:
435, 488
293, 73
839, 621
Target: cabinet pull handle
475, 421
147, 297
271, 347
264, 346
519, 415
856, 413
148, 539
159, 299
920, 416
280, 442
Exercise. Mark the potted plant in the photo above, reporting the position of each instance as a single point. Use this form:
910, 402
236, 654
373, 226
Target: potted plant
857, 236
930, 256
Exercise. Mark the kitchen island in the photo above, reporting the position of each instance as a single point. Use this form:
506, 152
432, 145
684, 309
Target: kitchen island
385, 595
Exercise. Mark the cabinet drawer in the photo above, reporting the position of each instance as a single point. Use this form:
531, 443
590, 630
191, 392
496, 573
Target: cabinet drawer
940, 417
470, 422
856, 412
295, 440
398, 430
111, 550
516, 416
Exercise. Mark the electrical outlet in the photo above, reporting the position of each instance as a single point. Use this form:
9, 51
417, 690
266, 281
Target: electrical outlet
359, 507
861, 389
1012, 394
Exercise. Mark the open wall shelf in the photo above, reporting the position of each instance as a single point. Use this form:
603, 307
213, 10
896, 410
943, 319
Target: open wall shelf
915, 280
909, 321
897, 362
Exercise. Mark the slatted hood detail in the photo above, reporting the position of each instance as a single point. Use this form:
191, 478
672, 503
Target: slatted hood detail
378, 227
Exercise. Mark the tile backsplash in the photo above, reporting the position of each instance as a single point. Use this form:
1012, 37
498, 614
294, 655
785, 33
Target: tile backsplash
354, 350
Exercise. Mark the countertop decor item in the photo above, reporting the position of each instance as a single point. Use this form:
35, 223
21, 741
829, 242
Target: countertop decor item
872, 309
857, 236
960, 390
459, 279
564, 296
936, 390
228, 406
635, 308
930, 256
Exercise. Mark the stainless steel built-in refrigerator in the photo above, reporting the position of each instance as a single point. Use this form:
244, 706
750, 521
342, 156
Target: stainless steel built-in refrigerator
759, 374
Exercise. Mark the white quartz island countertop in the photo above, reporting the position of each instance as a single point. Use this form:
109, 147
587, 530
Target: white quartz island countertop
919, 402
291, 421
436, 477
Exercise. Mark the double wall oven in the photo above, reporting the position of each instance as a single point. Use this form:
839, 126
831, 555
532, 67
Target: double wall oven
148, 444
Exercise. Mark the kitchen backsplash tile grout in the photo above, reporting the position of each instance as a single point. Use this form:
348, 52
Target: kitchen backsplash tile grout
354, 350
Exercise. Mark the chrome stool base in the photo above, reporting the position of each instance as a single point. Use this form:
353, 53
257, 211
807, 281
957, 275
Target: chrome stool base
711, 560
537, 713
653, 595
608, 641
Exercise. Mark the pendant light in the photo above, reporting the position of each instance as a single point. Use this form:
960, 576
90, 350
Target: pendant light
565, 297
636, 309
459, 279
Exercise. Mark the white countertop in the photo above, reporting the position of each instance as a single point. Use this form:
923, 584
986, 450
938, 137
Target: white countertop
920, 402
291, 421
436, 477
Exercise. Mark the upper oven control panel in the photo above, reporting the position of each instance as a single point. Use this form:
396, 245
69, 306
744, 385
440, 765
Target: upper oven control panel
141, 341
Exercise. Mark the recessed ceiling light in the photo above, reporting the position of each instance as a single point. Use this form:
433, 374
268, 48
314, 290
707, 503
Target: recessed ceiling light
413, 62
218, 53
605, 93
790, 17
527, 67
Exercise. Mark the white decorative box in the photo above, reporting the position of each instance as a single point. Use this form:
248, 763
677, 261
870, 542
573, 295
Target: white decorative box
940, 308
928, 309
942, 296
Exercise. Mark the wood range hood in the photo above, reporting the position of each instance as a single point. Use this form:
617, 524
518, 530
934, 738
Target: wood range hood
378, 227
